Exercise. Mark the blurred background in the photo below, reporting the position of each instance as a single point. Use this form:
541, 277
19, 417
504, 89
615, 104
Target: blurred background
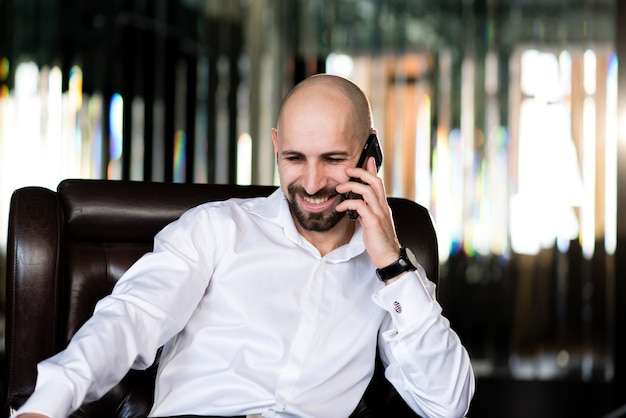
503, 117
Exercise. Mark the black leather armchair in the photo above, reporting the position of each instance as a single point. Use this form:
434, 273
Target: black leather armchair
67, 248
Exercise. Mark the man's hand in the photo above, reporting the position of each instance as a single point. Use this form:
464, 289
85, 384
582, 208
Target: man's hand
379, 233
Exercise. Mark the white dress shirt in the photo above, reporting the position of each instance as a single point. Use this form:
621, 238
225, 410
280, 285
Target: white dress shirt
254, 320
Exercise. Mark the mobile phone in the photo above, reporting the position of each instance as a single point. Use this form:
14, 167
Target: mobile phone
371, 149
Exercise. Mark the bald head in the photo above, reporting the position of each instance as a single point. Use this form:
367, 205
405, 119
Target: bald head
322, 125
323, 92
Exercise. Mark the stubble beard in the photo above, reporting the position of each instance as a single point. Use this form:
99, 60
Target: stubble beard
312, 221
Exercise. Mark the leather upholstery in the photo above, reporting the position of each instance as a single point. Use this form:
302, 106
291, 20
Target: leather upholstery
67, 248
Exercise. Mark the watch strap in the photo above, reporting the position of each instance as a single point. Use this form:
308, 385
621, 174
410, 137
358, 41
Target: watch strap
399, 266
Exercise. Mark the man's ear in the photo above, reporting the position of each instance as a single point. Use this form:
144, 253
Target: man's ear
275, 140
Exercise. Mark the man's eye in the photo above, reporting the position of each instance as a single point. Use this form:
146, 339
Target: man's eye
335, 160
293, 158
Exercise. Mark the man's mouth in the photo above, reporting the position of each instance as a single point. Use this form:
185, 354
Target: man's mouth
318, 203
316, 200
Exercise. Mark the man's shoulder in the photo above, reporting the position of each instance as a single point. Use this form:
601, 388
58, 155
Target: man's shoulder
235, 204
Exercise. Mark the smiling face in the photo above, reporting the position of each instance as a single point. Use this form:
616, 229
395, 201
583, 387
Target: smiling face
317, 138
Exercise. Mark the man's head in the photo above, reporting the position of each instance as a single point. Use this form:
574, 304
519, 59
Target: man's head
322, 126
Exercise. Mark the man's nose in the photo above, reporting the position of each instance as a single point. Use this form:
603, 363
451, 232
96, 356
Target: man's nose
314, 179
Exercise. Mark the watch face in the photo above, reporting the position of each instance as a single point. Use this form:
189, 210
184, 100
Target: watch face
411, 257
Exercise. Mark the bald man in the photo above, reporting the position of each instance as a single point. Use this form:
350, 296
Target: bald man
275, 306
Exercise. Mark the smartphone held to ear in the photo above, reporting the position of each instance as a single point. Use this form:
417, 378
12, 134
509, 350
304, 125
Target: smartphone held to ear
371, 149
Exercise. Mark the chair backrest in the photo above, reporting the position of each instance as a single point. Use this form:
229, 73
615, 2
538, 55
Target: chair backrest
67, 248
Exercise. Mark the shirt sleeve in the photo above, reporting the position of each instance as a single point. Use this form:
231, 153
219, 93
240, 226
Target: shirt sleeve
149, 305
424, 358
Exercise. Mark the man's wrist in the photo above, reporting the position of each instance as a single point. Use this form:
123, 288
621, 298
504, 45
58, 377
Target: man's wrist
405, 262
390, 259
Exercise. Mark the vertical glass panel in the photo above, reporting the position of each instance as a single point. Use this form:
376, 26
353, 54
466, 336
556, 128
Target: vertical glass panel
137, 147
588, 218
116, 123
202, 129
180, 158
610, 187
244, 159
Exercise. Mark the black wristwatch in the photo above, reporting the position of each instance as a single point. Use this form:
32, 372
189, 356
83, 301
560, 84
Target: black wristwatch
407, 262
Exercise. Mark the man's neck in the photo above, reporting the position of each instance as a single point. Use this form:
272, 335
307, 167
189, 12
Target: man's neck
325, 242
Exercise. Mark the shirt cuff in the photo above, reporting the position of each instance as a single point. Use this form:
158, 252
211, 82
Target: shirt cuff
53, 399
409, 300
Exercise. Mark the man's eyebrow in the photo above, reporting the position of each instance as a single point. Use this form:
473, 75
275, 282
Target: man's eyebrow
336, 154
290, 152
325, 155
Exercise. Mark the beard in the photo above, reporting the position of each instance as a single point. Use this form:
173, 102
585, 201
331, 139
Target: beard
317, 221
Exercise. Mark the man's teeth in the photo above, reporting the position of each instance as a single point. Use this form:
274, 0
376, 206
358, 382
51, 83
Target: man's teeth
316, 201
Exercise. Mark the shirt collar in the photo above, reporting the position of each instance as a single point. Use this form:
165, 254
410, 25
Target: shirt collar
275, 208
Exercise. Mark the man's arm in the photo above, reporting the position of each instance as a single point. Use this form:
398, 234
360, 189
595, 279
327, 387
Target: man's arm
149, 305
424, 358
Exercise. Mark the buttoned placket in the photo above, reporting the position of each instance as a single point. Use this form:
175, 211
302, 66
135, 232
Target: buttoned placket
286, 387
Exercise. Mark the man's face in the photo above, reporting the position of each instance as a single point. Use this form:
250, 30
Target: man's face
313, 150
